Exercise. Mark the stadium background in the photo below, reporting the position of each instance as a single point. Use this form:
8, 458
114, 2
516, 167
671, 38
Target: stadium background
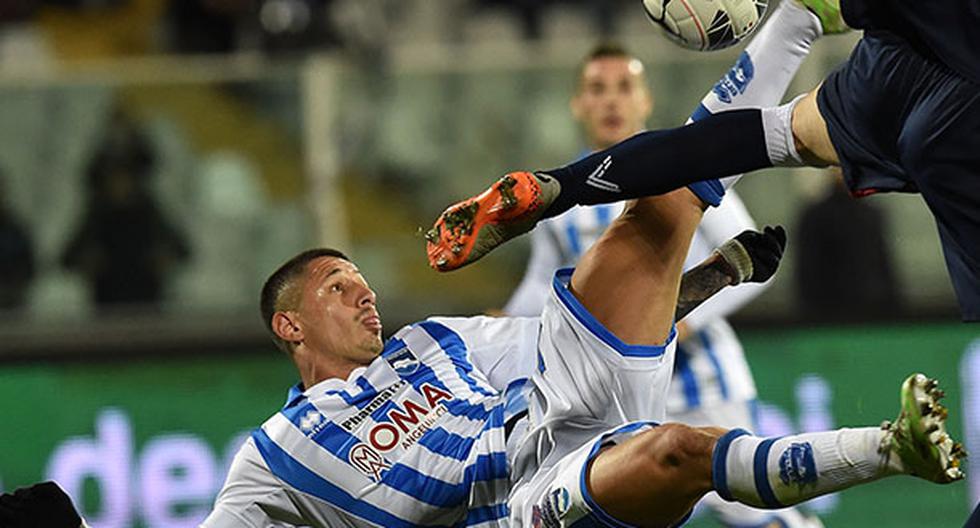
353, 133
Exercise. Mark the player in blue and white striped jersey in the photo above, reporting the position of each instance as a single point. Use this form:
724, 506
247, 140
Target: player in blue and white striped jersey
431, 427
543, 422
712, 382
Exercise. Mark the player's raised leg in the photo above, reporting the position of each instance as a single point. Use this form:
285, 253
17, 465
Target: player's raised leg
647, 164
759, 78
653, 478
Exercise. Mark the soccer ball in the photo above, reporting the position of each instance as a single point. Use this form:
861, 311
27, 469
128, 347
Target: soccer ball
706, 25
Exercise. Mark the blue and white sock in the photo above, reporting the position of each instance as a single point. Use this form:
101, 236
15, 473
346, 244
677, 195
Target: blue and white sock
759, 79
765, 69
780, 472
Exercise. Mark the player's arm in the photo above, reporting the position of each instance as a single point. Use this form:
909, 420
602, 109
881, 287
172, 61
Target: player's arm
718, 225
749, 257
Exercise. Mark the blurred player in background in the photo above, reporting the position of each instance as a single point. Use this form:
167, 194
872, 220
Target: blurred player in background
712, 383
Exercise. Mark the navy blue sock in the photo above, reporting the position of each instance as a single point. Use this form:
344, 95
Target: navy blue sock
660, 161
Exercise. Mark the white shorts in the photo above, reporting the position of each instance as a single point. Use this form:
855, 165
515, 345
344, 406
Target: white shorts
588, 384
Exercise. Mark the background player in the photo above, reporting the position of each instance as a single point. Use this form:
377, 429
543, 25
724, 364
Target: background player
712, 383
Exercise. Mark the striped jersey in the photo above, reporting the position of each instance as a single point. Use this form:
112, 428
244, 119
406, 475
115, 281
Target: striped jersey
416, 438
710, 365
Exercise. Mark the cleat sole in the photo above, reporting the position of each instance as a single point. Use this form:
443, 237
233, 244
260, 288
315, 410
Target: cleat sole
472, 228
918, 436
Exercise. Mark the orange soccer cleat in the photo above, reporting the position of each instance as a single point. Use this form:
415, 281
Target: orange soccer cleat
472, 228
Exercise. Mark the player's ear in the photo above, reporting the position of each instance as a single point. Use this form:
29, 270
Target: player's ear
285, 325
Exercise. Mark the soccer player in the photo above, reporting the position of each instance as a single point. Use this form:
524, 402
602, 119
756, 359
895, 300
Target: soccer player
902, 114
712, 383
543, 421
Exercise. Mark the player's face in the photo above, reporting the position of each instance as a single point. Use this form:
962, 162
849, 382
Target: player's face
337, 311
612, 102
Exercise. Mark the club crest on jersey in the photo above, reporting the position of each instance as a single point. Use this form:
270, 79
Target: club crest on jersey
797, 465
368, 461
409, 420
403, 362
736, 80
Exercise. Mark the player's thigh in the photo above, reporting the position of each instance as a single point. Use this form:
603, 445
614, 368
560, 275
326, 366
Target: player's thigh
630, 277
810, 133
588, 380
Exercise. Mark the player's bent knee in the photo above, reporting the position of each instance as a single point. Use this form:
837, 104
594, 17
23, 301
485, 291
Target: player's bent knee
679, 447
655, 478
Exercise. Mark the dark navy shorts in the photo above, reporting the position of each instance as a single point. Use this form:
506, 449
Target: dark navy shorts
901, 122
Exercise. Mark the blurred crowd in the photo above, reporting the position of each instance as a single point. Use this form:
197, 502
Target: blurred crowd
87, 28
229, 155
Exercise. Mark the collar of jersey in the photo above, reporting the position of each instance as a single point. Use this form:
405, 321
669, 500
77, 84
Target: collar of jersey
297, 393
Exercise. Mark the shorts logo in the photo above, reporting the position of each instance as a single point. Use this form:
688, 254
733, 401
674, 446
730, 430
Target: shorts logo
368, 461
404, 362
310, 420
550, 512
736, 80
797, 466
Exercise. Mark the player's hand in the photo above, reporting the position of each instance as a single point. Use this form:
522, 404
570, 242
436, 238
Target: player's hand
43, 504
765, 249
